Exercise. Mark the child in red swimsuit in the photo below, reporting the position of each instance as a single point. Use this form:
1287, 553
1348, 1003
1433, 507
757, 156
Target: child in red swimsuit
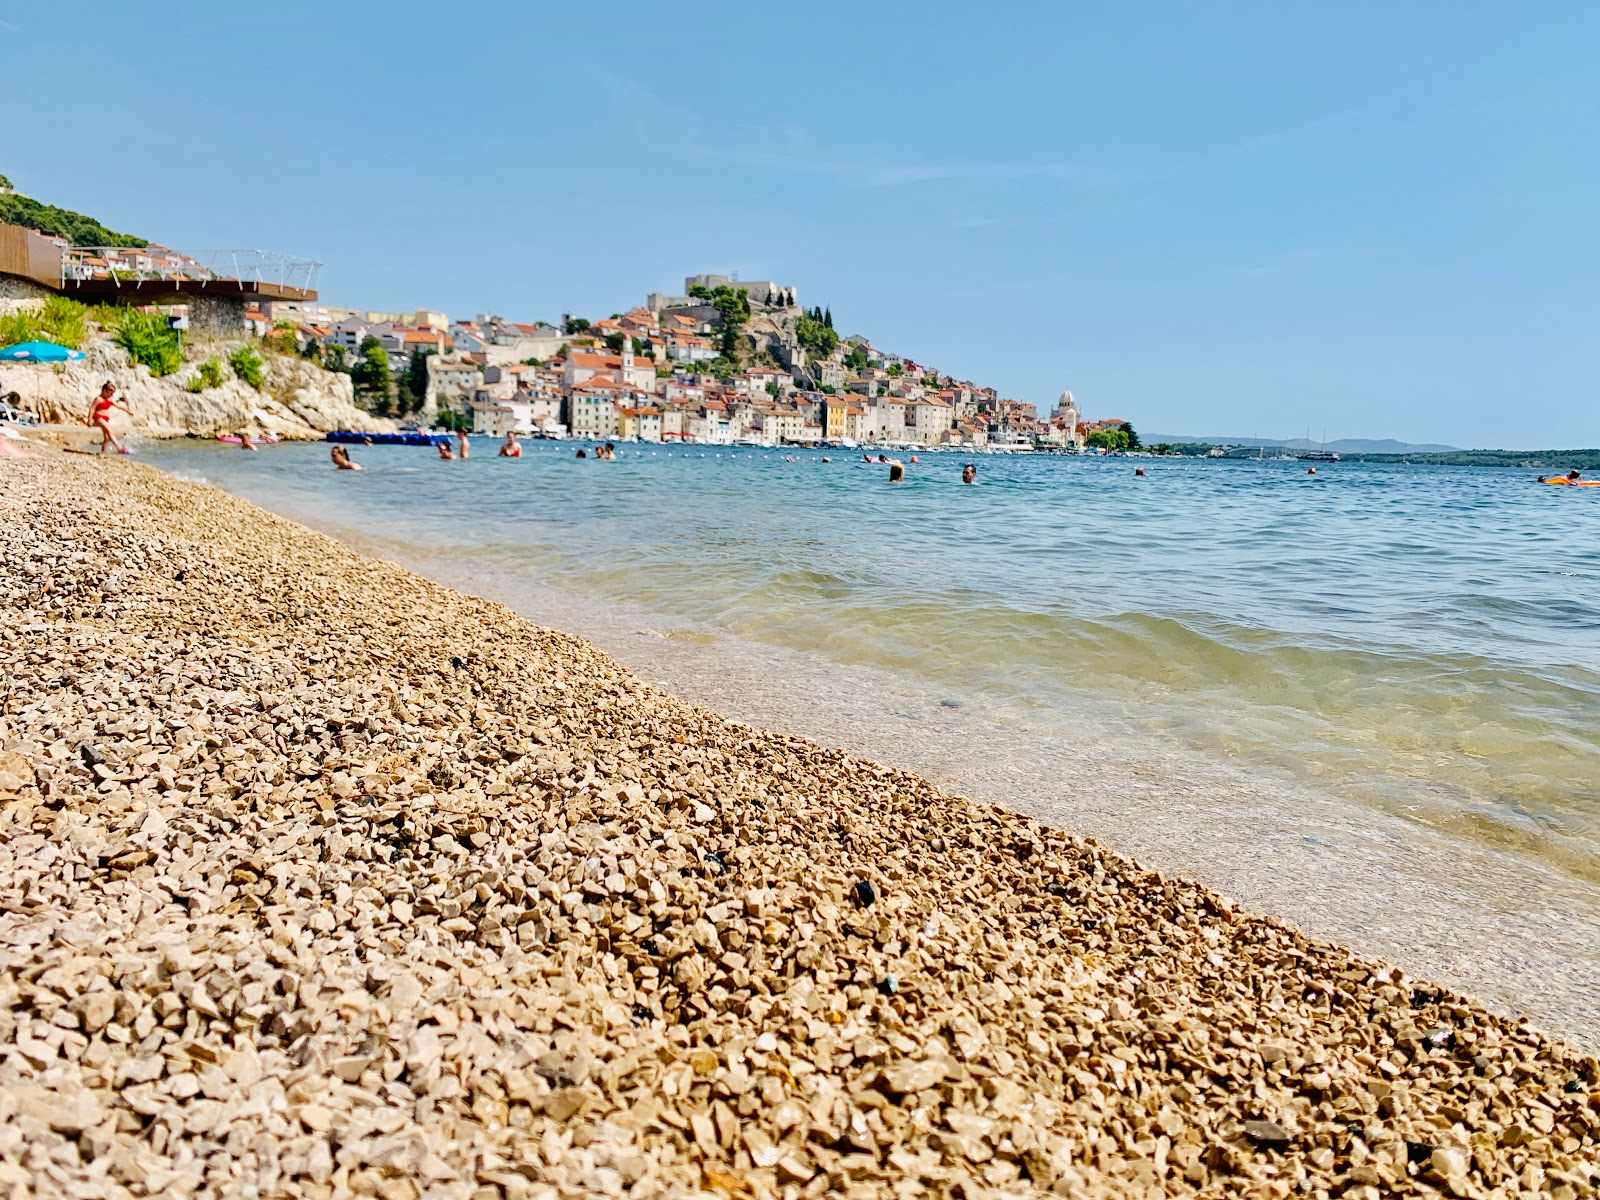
100, 414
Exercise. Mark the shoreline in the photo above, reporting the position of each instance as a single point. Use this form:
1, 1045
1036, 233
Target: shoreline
381, 882
1366, 877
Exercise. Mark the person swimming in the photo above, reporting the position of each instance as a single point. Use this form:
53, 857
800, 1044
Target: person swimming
969, 474
445, 453
511, 447
342, 460
461, 436
897, 473
582, 453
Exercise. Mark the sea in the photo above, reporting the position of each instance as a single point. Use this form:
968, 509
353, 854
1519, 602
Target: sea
1365, 700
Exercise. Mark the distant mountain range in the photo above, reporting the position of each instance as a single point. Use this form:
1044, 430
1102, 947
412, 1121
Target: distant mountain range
1338, 446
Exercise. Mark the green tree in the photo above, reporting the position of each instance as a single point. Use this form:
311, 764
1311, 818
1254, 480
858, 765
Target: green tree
856, 360
1108, 439
733, 306
413, 388
1133, 438
815, 338
827, 317
371, 377
454, 420
614, 342
333, 359
896, 370
574, 325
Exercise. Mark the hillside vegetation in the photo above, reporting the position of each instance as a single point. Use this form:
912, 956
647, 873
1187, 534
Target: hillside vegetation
17, 209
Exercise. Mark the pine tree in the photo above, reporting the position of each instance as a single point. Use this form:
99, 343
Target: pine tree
827, 317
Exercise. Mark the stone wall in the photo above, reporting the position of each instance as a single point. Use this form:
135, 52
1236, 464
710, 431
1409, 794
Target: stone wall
216, 316
13, 287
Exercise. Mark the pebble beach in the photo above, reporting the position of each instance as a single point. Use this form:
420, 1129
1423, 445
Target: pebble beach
318, 879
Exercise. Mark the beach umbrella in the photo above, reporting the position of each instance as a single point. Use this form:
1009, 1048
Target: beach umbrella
39, 352
46, 352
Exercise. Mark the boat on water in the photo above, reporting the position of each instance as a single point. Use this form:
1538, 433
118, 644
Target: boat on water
1317, 456
1010, 444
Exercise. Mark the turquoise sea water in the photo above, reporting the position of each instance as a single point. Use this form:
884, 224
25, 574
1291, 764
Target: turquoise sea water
1419, 640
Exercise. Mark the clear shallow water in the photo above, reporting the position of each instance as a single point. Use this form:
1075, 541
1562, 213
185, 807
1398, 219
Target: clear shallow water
1424, 642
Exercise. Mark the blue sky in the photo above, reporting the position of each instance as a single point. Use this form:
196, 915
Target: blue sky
1227, 219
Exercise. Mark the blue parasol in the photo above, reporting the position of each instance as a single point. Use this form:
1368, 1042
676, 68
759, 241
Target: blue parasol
39, 352
46, 352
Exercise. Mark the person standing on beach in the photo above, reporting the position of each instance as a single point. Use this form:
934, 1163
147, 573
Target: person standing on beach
100, 414
461, 436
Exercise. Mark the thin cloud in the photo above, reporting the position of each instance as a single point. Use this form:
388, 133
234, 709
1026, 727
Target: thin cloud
1303, 131
799, 148
891, 175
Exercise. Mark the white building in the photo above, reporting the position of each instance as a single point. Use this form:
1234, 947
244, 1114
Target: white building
500, 417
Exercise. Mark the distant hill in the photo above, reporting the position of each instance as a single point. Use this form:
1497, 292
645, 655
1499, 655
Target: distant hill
1339, 446
17, 209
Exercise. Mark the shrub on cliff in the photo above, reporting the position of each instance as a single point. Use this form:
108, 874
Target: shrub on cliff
246, 364
208, 376
148, 340
58, 320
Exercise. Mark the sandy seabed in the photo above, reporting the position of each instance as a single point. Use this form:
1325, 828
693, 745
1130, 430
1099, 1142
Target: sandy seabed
318, 879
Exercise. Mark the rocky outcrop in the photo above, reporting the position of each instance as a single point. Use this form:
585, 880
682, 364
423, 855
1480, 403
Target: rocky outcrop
297, 399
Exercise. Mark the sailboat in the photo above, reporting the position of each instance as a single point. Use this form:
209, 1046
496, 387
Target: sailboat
1323, 455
